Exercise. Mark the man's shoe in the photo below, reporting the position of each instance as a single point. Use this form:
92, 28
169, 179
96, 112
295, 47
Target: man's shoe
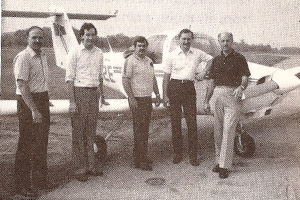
81, 177
92, 173
29, 193
177, 159
145, 167
149, 161
48, 186
223, 173
194, 162
216, 169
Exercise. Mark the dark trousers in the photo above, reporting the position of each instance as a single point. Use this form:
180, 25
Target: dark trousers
183, 95
141, 121
31, 155
84, 125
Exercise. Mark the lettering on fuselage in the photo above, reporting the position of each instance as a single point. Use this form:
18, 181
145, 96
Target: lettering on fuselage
110, 71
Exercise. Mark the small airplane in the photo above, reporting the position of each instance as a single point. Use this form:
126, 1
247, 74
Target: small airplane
267, 85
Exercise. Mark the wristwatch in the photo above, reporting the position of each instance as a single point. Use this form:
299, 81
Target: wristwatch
243, 88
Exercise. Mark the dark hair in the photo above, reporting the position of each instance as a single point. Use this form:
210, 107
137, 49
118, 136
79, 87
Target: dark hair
86, 26
140, 39
33, 27
185, 31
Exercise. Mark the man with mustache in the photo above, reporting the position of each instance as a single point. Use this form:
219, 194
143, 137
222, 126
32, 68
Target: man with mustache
229, 77
181, 69
84, 78
139, 82
31, 74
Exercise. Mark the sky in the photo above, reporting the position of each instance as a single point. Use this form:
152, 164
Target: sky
274, 22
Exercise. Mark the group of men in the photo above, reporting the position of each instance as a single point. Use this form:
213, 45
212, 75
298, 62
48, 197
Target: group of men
228, 75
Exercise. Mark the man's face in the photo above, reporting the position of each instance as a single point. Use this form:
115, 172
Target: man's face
140, 48
35, 39
225, 41
185, 41
89, 38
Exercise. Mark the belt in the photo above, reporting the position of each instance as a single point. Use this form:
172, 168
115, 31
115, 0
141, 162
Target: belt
182, 81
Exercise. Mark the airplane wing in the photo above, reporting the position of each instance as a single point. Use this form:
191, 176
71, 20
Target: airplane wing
29, 14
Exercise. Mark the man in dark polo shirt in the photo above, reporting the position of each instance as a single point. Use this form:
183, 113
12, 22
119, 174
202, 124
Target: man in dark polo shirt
229, 77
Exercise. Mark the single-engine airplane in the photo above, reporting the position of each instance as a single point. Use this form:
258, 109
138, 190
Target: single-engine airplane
267, 85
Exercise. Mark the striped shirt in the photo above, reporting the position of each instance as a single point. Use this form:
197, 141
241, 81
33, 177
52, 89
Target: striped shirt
84, 66
140, 71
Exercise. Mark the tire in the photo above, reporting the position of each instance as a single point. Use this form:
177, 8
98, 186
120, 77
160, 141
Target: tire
101, 154
246, 147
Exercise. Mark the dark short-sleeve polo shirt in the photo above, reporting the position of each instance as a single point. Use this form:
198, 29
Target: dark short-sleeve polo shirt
229, 70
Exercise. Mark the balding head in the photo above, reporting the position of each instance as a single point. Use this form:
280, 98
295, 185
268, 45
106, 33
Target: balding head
225, 40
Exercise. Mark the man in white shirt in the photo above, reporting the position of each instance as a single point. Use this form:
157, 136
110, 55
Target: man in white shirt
84, 78
31, 74
183, 65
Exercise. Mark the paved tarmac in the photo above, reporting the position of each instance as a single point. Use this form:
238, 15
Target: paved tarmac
272, 173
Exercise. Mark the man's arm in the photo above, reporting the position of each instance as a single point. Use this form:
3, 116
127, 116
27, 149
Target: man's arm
209, 92
72, 108
156, 91
127, 87
27, 97
201, 75
166, 80
238, 92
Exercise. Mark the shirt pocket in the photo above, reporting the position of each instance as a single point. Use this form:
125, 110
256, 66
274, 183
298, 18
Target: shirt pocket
177, 64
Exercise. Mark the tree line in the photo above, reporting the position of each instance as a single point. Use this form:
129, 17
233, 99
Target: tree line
119, 42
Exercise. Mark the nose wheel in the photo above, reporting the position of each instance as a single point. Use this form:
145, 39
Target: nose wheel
100, 149
244, 144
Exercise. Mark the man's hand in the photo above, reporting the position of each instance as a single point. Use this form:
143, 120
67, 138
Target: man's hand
36, 117
166, 102
73, 108
103, 102
206, 108
157, 100
200, 76
132, 103
238, 93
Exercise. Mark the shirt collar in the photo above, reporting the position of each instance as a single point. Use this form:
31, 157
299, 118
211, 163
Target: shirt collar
232, 53
179, 50
139, 58
82, 47
32, 52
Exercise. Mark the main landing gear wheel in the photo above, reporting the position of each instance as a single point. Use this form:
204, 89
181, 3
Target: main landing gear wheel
244, 144
100, 149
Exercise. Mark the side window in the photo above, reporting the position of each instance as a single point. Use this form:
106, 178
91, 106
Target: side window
155, 48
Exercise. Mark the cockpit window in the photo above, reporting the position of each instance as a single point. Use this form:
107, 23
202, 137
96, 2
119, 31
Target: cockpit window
155, 48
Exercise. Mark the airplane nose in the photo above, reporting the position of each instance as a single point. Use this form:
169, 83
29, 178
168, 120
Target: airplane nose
287, 80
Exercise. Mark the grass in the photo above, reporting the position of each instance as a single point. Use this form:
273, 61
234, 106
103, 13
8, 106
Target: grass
57, 87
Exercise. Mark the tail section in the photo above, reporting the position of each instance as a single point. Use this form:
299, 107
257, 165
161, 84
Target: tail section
63, 38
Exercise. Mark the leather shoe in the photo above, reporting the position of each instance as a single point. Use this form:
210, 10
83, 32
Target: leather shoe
177, 159
145, 167
81, 177
92, 173
29, 193
223, 173
216, 169
194, 162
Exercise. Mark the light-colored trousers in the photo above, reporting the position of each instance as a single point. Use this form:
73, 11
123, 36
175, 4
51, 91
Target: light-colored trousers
227, 111
84, 126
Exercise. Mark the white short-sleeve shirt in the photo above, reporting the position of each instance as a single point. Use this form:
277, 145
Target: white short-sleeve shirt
183, 66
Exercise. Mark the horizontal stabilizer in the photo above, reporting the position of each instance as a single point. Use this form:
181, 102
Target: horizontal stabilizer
29, 14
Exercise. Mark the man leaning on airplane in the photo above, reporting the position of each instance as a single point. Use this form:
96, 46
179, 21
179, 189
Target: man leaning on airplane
229, 74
